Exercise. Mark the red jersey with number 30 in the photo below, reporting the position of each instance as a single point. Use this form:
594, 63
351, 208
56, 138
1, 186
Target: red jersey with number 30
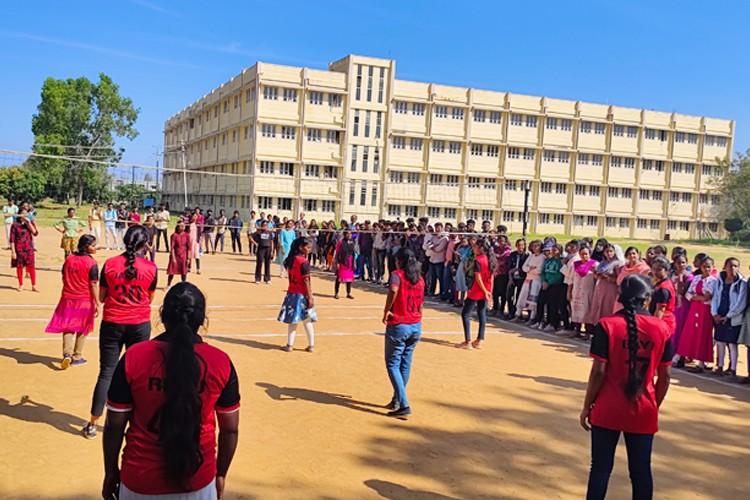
297, 273
481, 271
127, 301
407, 306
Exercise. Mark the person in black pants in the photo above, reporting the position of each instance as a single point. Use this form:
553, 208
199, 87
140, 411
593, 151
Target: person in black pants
235, 231
516, 276
502, 252
265, 240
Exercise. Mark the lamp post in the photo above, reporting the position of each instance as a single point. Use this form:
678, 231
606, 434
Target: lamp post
526, 191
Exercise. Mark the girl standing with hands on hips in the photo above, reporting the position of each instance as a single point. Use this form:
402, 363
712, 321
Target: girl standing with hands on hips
299, 304
402, 316
629, 350
480, 293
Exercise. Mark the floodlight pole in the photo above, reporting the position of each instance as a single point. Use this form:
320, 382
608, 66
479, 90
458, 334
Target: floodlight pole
527, 190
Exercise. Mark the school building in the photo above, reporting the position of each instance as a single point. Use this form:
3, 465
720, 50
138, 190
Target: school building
354, 139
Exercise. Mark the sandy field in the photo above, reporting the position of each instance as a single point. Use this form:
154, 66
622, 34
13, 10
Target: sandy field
497, 423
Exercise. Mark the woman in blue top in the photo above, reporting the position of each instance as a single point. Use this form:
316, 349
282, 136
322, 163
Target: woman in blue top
286, 237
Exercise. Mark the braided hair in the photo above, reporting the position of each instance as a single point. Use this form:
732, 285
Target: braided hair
294, 251
183, 313
635, 290
135, 239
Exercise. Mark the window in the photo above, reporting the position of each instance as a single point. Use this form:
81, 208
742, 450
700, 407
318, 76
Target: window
455, 148
355, 131
642, 223
365, 158
476, 150
399, 143
721, 142
223, 139
333, 136
376, 161
436, 179
411, 211
394, 210
266, 167
379, 125
599, 128
592, 220
684, 225
692, 138
507, 216
450, 213
663, 135
236, 103
544, 218
271, 93
351, 193
618, 130
397, 176
549, 156
315, 97
433, 212
613, 192
335, 101
363, 194
585, 127
703, 198
678, 137
359, 86
561, 189
417, 109
632, 132
488, 215
289, 132
644, 194
314, 135
286, 169
563, 157
706, 170
566, 125
441, 111
310, 205
226, 106
370, 71
516, 120
381, 86
400, 107
648, 164
650, 134
710, 140
495, 117
610, 221
234, 136
490, 183
290, 95
458, 114
493, 151
624, 223
247, 135
268, 130
654, 224
689, 168
472, 213
580, 190
473, 182
216, 112
551, 124
531, 121
545, 187
438, 146
451, 180
374, 197
367, 123
265, 202
215, 142
583, 158
513, 152
249, 96
558, 219
312, 171
687, 197
413, 178
627, 193
615, 162
715, 199
674, 196
713, 226
415, 144
510, 185
353, 166
659, 166
629, 163
594, 191
677, 167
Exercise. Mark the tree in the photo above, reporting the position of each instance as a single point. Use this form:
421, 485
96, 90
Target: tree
79, 119
733, 184
21, 184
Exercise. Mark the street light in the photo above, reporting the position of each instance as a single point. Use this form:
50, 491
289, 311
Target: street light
527, 191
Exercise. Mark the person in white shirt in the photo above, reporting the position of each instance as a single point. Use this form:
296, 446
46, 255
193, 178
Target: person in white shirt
110, 218
435, 245
161, 218
11, 210
95, 222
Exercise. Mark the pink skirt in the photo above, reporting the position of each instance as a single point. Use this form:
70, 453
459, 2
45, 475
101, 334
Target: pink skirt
73, 315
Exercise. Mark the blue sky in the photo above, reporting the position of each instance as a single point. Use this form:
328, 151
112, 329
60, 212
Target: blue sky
691, 56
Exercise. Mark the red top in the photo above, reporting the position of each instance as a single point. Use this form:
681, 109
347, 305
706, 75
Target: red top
134, 218
127, 302
612, 408
137, 386
664, 293
481, 271
407, 306
79, 271
297, 273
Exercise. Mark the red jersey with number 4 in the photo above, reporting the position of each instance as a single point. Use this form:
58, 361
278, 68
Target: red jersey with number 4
127, 301
138, 387
407, 306
481, 271
297, 273
612, 408
79, 271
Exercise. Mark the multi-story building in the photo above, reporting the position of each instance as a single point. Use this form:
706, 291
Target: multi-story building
355, 139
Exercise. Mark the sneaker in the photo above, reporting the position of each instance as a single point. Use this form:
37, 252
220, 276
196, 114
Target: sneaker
350, 297
257, 281
89, 430
393, 405
77, 362
549, 329
310, 348
464, 345
287, 348
533, 324
477, 344
401, 413
696, 369
65, 364
719, 372
730, 376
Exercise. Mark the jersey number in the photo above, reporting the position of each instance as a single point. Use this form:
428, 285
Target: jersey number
125, 294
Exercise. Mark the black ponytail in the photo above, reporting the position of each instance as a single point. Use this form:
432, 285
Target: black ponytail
635, 290
409, 264
183, 313
487, 249
294, 251
135, 239
84, 242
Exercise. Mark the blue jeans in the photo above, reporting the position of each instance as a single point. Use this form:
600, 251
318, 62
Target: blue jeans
400, 341
434, 277
603, 444
364, 262
447, 285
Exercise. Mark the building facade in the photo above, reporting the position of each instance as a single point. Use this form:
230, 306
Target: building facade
354, 139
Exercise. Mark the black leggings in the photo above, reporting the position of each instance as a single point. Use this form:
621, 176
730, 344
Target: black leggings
348, 287
499, 294
183, 278
481, 314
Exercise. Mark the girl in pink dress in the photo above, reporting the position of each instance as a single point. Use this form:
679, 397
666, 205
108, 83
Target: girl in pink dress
696, 341
681, 279
582, 293
605, 292
344, 259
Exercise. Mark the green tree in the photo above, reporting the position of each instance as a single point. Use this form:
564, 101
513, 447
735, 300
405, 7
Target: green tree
21, 184
79, 120
733, 185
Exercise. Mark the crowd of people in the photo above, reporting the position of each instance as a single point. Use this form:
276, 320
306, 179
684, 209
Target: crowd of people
167, 391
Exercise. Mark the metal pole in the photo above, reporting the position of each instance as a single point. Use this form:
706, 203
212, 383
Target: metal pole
527, 190
184, 172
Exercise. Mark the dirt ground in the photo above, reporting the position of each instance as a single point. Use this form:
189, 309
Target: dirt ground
497, 423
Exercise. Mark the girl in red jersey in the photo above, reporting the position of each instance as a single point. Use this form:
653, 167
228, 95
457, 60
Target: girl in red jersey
480, 292
169, 393
79, 303
299, 305
179, 254
126, 288
22, 234
629, 350
662, 303
402, 316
